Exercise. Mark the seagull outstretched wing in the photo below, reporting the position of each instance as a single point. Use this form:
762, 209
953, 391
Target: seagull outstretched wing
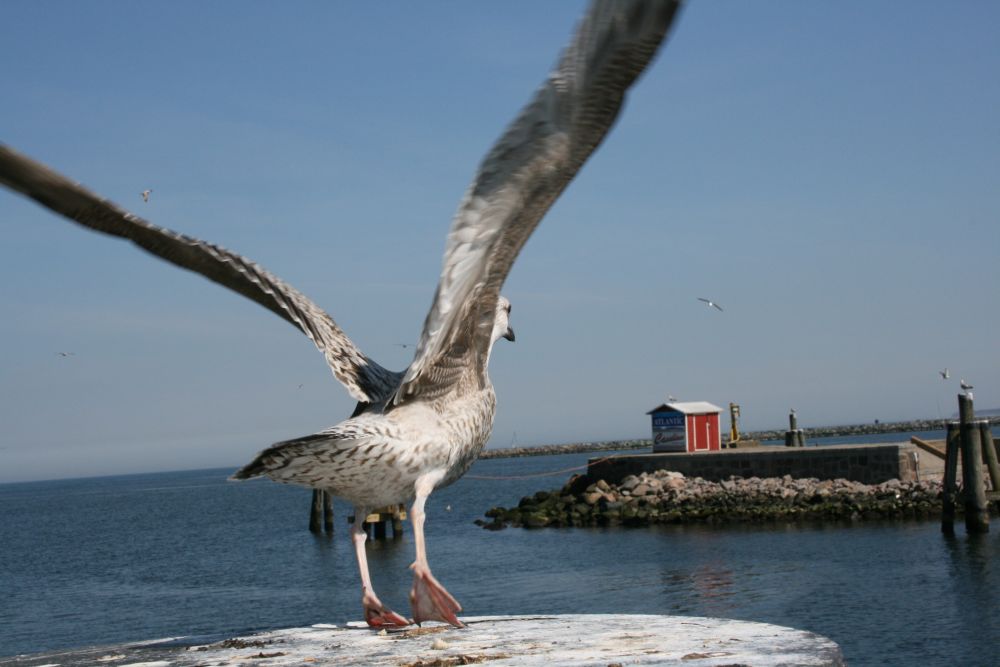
364, 379
521, 177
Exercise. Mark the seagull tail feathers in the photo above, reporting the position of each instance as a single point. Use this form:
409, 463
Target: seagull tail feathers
255, 468
278, 456
266, 461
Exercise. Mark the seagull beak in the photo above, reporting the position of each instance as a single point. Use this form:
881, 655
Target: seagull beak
509, 335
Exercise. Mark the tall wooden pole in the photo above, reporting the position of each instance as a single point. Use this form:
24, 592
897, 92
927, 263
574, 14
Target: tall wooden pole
315, 510
327, 512
950, 479
989, 453
977, 516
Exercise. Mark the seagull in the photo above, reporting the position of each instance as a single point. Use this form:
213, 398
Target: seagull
966, 387
421, 428
711, 304
145, 195
944, 374
65, 354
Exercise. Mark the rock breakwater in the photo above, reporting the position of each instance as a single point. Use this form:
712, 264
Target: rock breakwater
670, 497
849, 430
570, 448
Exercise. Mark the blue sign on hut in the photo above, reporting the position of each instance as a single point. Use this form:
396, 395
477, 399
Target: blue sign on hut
686, 427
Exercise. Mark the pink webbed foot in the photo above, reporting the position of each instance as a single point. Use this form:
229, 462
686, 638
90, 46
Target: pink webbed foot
429, 601
378, 615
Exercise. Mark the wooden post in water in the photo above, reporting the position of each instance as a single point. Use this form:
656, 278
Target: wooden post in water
977, 516
989, 453
322, 507
315, 510
376, 523
950, 489
327, 512
397, 523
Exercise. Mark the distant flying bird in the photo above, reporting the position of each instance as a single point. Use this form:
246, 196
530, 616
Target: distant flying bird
145, 195
403, 345
422, 428
65, 354
711, 303
944, 374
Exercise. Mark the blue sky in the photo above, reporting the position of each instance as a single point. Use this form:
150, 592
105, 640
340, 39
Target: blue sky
828, 172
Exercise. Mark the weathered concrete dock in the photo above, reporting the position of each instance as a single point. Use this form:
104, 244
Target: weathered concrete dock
868, 464
549, 640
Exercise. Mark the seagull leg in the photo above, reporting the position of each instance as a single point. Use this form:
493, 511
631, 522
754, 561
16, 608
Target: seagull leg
377, 615
429, 601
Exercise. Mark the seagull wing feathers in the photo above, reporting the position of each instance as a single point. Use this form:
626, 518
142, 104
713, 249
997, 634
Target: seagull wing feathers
363, 378
521, 177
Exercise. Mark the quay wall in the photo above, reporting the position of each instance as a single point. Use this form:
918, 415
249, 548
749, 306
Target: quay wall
868, 464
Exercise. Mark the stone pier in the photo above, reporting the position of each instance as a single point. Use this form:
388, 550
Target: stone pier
868, 464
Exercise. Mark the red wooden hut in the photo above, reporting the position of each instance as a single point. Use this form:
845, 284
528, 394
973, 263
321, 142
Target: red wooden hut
686, 427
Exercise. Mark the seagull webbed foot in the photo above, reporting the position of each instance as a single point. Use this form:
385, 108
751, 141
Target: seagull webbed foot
378, 615
429, 601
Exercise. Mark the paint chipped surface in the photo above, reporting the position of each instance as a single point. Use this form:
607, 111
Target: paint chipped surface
552, 641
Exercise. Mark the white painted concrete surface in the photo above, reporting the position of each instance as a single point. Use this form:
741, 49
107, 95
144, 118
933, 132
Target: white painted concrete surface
549, 641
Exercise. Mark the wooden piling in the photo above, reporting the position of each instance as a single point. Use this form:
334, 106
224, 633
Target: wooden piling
327, 512
376, 524
321, 512
977, 516
950, 489
315, 510
989, 453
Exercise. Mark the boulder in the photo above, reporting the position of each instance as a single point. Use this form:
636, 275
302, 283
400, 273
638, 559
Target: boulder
629, 483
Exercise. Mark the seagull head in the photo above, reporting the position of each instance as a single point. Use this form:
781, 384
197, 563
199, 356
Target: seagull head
501, 322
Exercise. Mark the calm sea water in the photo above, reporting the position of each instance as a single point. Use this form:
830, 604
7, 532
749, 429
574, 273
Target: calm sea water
103, 560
